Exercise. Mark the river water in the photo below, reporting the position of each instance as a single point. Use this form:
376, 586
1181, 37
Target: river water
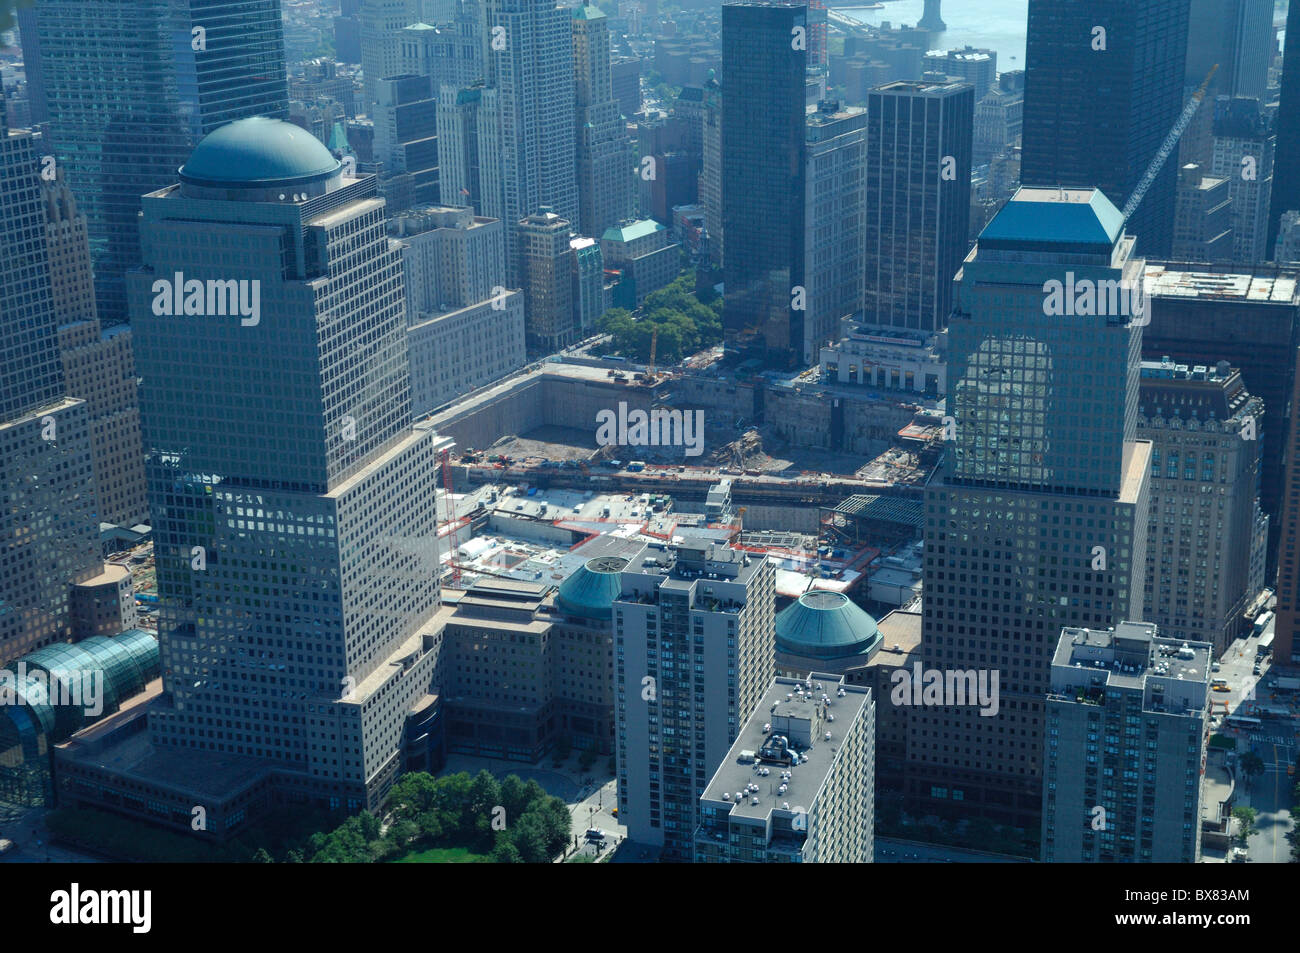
991, 24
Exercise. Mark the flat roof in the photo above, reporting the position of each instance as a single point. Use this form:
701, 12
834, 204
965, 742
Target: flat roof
1162, 282
807, 777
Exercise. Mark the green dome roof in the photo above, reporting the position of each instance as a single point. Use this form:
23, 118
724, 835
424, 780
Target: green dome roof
258, 152
590, 592
825, 624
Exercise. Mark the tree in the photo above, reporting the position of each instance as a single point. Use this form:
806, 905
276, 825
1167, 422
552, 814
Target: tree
262, 857
1252, 765
1246, 819
505, 851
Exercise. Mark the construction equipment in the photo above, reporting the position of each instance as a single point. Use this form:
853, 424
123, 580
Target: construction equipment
1170, 141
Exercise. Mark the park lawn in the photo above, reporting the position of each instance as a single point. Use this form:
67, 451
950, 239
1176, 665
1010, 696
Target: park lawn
1221, 741
444, 855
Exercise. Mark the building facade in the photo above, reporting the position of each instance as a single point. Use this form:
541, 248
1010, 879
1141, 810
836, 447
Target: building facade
763, 212
798, 785
124, 116
1109, 74
1038, 518
919, 137
327, 498
1205, 429
1124, 750
694, 654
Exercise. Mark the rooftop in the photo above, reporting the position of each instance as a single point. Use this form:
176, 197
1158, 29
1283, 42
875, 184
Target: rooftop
827, 625
632, 231
801, 711
1057, 216
259, 152
1164, 282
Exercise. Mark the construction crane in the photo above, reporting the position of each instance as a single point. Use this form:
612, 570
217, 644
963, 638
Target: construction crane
654, 347
1170, 141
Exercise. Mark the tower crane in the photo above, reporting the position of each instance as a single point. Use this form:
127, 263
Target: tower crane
1170, 141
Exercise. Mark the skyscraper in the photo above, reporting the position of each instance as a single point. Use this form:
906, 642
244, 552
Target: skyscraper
1103, 87
694, 652
1038, 519
919, 141
48, 519
763, 131
281, 458
604, 173
406, 134
98, 366
1104, 684
835, 182
546, 269
530, 66
1205, 430
1286, 175
382, 23
124, 115
1243, 154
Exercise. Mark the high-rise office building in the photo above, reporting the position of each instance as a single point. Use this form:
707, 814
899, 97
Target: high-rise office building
271, 332
450, 53
710, 184
694, 654
458, 118
1288, 549
919, 140
1235, 35
382, 23
406, 134
834, 241
1038, 518
1103, 87
1205, 429
1202, 217
588, 283
798, 785
1200, 315
49, 519
1124, 749
530, 68
546, 265
763, 133
604, 176
978, 67
125, 115
464, 329
999, 117
1286, 175
1243, 154
98, 365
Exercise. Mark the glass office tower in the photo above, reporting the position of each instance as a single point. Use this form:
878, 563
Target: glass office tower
48, 518
1103, 88
132, 87
764, 64
294, 505
1038, 518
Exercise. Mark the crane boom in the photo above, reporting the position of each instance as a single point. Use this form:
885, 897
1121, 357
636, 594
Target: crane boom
1170, 141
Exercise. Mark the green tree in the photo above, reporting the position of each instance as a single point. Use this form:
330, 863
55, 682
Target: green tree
1246, 819
1252, 765
262, 857
505, 851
